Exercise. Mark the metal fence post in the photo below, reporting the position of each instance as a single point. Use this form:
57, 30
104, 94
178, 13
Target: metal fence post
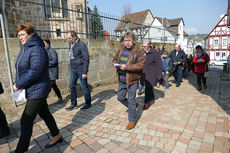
86, 20
7, 55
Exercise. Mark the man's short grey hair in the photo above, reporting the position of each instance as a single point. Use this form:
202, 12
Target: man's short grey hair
148, 42
177, 44
72, 33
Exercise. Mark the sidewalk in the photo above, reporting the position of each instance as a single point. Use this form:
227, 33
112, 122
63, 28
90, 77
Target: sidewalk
182, 120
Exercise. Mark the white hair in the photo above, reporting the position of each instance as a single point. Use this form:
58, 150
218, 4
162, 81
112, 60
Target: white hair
148, 42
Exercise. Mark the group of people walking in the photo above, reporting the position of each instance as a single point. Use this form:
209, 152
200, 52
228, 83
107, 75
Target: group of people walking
138, 67
37, 71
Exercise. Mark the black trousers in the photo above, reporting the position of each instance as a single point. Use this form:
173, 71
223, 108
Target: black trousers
34, 107
3, 123
149, 95
56, 89
200, 76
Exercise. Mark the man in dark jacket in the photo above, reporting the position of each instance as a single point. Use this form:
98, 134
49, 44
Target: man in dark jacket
178, 57
79, 62
152, 71
129, 62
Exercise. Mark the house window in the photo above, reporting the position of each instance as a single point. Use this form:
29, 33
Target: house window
216, 42
223, 55
217, 54
64, 8
58, 32
224, 41
55, 6
47, 8
79, 10
164, 38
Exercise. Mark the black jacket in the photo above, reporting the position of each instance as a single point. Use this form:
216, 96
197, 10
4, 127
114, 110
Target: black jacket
153, 68
181, 57
53, 63
32, 68
81, 57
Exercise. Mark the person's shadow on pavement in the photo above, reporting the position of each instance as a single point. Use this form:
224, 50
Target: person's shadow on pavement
140, 100
80, 119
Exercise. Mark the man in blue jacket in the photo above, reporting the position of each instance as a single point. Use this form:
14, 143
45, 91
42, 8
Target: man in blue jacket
79, 62
178, 57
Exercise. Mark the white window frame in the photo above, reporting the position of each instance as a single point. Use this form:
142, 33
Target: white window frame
223, 55
216, 40
224, 41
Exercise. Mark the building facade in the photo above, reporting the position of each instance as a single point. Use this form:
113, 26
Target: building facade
51, 18
218, 40
145, 26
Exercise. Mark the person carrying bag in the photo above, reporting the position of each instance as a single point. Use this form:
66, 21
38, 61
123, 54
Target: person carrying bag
201, 60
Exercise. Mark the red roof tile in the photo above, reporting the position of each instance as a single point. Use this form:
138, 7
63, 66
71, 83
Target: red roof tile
138, 18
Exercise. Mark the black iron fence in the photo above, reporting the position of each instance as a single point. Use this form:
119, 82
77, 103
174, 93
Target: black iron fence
53, 18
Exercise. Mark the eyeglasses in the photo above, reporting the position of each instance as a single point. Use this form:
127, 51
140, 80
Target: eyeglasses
21, 35
128, 40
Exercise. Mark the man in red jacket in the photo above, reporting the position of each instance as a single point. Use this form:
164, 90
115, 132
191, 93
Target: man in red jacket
201, 60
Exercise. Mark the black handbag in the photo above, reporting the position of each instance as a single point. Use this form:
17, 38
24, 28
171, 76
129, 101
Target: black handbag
1, 88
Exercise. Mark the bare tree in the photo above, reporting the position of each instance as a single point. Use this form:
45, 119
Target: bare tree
127, 17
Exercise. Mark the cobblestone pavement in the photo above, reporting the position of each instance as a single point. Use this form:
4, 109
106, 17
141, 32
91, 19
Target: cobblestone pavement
182, 120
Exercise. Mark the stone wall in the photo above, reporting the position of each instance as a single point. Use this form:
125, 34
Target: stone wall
101, 71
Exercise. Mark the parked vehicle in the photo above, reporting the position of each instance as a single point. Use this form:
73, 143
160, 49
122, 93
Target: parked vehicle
219, 62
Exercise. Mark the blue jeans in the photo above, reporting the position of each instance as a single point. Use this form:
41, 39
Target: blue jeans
75, 74
178, 74
130, 103
140, 87
165, 77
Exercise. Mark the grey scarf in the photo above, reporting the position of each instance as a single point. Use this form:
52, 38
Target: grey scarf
71, 49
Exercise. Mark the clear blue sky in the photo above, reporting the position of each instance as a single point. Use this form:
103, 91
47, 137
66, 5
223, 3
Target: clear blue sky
200, 16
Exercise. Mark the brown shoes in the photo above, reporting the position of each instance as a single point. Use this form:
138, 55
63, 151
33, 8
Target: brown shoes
131, 125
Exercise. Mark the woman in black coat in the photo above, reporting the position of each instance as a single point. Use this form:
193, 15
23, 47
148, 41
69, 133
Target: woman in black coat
53, 68
152, 71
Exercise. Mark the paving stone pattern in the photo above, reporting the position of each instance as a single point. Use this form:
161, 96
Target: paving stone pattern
182, 120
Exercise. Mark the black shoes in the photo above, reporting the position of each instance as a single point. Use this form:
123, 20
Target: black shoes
85, 107
177, 85
71, 107
140, 92
199, 87
51, 145
4, 133
205, 86
59, 101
